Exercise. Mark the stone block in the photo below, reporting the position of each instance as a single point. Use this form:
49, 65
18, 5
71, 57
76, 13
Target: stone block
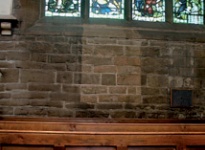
89, 98
40, 47
93, 89
104, 41
6, 110
63, 58
38, 57
150, 91
7, 64
44, 87
117, 98
181, 51
200, 72
155, 100
199, 53
199, 62
123, 114
105, 69
46, 103
176, 81
82, 49
7, 45
40, 76
83, 106
52, 39
158, 62
150, 51
128, 79
9, 75
91, 114
3, 55
157, 81
58, 112
75, 39
30, 111
61, 48
108, 50
70, 89
75, 67
16, 86
109, 106
5, 95
179, 61
128, 69
82, 78
2, 87
132, 51
23, 56
96, 61
108, 79
14, 102
65, 77
29, 95
118, 90
127, 61
61, 96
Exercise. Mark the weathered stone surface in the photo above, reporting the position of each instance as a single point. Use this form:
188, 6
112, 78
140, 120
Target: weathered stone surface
9, 75
82, 78
40, 76
93, 90
108, 79
53, 67
126, 79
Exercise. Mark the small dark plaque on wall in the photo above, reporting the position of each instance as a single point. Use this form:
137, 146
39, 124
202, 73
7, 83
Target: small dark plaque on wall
181, 98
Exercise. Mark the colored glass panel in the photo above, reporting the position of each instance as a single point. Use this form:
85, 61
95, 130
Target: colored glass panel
148, 10
188, 11
62, 8
107, 9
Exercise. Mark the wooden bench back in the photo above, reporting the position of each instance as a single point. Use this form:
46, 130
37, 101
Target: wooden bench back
95, 134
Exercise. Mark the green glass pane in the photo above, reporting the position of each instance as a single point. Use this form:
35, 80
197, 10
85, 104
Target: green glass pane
62, 8
148, 10
188, 11
107, 9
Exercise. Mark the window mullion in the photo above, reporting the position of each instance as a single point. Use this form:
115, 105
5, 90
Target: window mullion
128, 10
169, 11
85, 10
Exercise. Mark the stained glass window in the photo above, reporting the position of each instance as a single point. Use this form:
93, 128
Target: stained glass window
148, 10
188, 11
63, 8
107, 9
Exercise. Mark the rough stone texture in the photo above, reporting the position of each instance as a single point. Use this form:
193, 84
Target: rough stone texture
56, 69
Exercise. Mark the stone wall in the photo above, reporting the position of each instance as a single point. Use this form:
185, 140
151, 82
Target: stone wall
52, 69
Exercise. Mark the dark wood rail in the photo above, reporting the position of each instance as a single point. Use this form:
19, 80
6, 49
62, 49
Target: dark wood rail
96, 134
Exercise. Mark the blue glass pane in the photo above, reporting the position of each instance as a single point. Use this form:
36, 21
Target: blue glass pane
62, 8
148, 10
188, 11
107, 9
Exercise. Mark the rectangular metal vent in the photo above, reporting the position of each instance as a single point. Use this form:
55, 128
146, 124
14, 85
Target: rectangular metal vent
181, 98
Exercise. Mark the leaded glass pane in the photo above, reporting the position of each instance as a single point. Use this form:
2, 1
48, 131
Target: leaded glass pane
63, 8
107, 9
188, 11
148, 10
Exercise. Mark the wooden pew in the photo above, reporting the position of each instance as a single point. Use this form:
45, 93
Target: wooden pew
100, 134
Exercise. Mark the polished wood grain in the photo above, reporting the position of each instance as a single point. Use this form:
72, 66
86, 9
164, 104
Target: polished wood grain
96, 134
